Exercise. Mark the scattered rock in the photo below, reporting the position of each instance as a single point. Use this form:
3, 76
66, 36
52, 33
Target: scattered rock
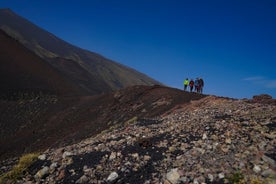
42, 173
113, 176
173, 176
83, 179
42, 157
205, 141
257, 169
67, 154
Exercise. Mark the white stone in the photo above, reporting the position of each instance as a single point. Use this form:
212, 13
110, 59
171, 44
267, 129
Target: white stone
173, 176
53, 166
42, 157
204, 136
221, 175
257, 169
113, 176
211, 177
42, 172
66, 154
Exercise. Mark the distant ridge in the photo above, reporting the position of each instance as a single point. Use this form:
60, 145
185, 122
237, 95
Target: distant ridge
91, 72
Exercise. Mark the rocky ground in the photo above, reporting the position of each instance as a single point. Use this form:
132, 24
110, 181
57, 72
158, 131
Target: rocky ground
35, 123
211, 140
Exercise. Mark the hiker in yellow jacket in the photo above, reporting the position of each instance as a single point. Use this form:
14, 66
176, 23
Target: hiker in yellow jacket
186, 83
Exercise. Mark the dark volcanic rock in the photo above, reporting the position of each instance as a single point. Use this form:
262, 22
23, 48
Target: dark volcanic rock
206, 141
264, 99
40, 122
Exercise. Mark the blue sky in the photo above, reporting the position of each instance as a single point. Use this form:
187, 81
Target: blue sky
231, 44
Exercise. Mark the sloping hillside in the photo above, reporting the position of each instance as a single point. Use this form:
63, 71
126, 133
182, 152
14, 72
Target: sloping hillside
43, 122
211, 140
93, 73
21, 71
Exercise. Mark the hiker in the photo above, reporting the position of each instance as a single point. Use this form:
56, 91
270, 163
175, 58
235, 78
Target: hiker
186, 83
191, 84
201, 84
197, 85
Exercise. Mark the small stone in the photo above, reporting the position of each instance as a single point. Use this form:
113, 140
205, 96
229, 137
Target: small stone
66, 154
147, 158
83, 179
119, 154
269, 160
42, 172
271, 135
53, 166
204, 136
269, 173
214, 137
42, 157
210, 177
67, 161
61, 175
257, 169
228, 141
183, 179
221, 175
224, 149
172, 148
112, 156
99, 168
173, 176
135, 155
112, 177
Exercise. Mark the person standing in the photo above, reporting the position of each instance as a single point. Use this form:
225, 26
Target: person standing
191, 84
186, 83
201, 84
197, 85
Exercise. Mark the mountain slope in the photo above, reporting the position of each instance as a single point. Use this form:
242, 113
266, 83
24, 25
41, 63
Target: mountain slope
99, 74
212, 140
37, 124
22, 71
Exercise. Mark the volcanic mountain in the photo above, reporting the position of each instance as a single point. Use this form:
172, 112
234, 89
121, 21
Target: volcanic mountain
55, 94
22, 72
91, 72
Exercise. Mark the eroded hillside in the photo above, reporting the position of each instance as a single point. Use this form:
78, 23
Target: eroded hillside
37, 123
211, 140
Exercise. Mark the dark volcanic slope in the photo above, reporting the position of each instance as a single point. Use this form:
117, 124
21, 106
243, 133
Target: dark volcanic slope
93, 73
22, 71
30, 125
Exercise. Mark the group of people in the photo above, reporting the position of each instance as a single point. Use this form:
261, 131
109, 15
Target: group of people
196, 85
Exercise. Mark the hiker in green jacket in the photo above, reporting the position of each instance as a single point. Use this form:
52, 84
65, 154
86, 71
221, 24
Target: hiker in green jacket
186, 83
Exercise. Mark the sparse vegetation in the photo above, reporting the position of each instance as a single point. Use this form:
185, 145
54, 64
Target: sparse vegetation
238, 178
130, 121
18, 170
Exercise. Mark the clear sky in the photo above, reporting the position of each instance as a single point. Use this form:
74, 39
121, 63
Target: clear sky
231, 44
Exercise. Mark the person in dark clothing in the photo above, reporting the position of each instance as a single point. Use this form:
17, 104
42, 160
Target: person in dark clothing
191, 84
201, 84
